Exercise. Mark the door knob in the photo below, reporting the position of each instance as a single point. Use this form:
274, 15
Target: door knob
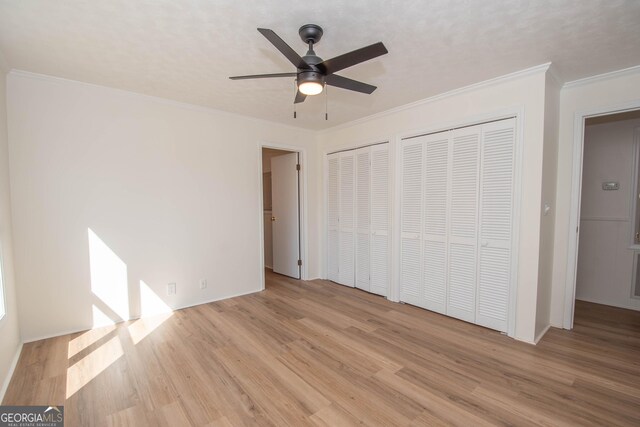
273, 219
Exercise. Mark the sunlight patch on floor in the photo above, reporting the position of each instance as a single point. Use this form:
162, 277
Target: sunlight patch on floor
87, 338
85, 370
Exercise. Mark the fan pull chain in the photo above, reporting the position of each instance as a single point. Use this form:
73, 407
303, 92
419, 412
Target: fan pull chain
326, 102
295, 92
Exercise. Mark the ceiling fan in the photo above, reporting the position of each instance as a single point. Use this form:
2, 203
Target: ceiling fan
313, 72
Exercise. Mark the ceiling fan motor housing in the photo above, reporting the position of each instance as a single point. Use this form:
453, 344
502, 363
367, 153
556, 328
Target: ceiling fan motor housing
310, 77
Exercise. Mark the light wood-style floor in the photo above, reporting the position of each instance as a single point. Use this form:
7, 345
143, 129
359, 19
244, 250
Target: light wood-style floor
317, 353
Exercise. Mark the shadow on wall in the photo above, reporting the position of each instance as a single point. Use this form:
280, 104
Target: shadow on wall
95, 350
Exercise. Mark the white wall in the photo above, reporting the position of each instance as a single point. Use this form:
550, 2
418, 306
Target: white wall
609, 91
173, 190
9, 331
547, 221
524, 91
605, 262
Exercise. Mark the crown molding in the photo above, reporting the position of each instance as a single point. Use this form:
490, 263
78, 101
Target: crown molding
157, 99
472, 87
601, 77
555, 75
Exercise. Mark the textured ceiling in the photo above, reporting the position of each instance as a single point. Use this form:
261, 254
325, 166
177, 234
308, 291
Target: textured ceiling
185, 49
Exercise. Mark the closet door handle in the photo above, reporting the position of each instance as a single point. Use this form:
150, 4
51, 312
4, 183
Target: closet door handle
485, 243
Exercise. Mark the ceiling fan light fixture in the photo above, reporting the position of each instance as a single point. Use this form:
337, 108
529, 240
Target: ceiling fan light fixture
310, 83
310, 88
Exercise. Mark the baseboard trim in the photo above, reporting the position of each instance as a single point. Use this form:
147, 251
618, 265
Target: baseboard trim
12, 369
182, 307
541, 334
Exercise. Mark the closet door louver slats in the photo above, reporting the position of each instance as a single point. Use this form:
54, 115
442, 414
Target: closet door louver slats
435, 225
411, 289
496, 223
346, 263
363, 209
463, 198
332, 217
379, 283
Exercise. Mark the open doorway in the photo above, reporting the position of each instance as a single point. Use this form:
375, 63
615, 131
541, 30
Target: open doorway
281, 199
607, 272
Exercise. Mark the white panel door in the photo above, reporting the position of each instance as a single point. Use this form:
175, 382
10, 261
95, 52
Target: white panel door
411, 285
346, 234
333, 254
436, 190
496, 223
286, 214
380, 239
463, 222
362, 217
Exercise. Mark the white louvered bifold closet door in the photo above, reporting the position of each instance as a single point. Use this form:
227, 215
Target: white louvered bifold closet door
332, 217
411, 288
456, 222
463, 229
496, 224
363, 209
346, 191
380, 241
436, 190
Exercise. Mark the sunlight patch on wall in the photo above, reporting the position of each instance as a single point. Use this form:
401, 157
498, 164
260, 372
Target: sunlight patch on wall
108, 278
99, 318
153, 312
81, 373
150, 303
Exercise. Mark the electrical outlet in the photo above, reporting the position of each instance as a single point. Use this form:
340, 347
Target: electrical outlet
171, 289
203, 283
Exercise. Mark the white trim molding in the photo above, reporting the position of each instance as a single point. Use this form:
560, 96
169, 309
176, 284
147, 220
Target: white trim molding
601, 77
538, 337
12, 368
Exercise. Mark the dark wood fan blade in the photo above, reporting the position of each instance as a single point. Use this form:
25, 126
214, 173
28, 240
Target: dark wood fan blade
345, 83
284, 48
264, 76
300, 97
352, 58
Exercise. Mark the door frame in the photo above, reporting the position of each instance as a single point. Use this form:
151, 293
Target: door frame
579, 120
302, 202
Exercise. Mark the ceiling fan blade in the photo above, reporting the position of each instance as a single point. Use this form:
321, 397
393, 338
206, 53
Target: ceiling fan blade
300, 97
284, 48
345, 83
263, 76
352, 58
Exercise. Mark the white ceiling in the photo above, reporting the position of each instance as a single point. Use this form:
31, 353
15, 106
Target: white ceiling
185, 49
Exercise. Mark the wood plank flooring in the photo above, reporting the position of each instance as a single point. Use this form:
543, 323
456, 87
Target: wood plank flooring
320, 354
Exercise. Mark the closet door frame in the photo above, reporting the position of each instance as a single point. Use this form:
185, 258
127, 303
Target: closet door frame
517, 112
